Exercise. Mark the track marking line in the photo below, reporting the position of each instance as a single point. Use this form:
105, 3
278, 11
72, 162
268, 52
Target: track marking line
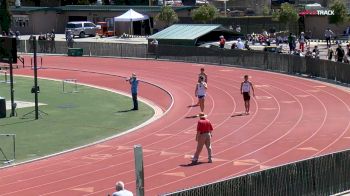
86, 190
124, 148
263, 97
163, 134
164, 153
262, 86
177, 174
240, 163
268, 109
219, 160
97, 156
303, 96
308, 149
103, 146
264, 167
147, 150
191, 132
288, 102
313, 91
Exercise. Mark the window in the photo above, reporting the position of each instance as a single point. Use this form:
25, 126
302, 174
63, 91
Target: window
89, 25
72, 25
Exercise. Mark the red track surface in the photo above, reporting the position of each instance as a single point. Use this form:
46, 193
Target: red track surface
291, 119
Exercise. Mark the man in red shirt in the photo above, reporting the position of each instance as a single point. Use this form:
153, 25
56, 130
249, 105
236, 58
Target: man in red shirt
203, 137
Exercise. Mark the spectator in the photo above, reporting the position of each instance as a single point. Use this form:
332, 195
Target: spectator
11, 33
308, 52
222, 41
234, 46
246, 45
134, 83
279, 49
330, 53
340, 53
279, 40
53, 35
238, 29
154, 44
17, 34
240, 44
302, 41
291, 43
69, 39
328, 35
316, 52
31, 45
120, 190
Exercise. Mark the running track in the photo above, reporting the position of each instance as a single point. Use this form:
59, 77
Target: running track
291, 119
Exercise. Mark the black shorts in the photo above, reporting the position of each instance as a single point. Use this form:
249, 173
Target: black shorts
246, 96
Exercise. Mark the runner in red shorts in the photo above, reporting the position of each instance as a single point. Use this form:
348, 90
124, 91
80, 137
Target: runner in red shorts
246, 85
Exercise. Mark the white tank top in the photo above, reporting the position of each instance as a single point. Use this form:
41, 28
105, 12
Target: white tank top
246, 87
201, 90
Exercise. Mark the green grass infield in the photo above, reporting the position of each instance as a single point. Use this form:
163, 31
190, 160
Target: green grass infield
74, 119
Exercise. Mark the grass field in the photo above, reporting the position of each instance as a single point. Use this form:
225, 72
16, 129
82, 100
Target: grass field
73, 119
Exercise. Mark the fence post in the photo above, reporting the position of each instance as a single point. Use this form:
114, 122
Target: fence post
140, 183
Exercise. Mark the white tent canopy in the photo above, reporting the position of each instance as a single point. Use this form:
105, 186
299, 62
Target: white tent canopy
130, 16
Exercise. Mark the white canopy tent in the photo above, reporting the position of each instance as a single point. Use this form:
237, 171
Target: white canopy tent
130, 16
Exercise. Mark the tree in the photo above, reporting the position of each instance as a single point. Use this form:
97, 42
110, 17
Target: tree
5, 16
167, 15
340, 12
205, 13
287, 14
266, 10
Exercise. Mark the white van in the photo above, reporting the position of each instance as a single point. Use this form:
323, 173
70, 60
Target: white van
82, 28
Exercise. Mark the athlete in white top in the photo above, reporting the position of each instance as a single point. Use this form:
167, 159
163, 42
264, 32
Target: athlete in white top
205, 76
246, 85
200, 92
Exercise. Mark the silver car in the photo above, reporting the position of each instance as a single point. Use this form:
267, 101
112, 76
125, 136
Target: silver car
81, 28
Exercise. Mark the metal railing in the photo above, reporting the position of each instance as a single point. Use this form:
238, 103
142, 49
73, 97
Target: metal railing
290, 64
323, 175
89, 48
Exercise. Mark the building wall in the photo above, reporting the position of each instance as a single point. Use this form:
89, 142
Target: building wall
58, 21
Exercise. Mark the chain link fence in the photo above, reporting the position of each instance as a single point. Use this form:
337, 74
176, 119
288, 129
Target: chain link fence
89, 48
318, 176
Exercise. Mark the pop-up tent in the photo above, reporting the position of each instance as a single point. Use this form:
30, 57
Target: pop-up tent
130, 16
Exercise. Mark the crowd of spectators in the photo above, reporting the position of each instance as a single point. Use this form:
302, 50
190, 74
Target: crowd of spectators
297, 45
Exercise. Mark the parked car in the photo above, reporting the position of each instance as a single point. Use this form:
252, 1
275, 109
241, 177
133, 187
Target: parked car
82, 28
